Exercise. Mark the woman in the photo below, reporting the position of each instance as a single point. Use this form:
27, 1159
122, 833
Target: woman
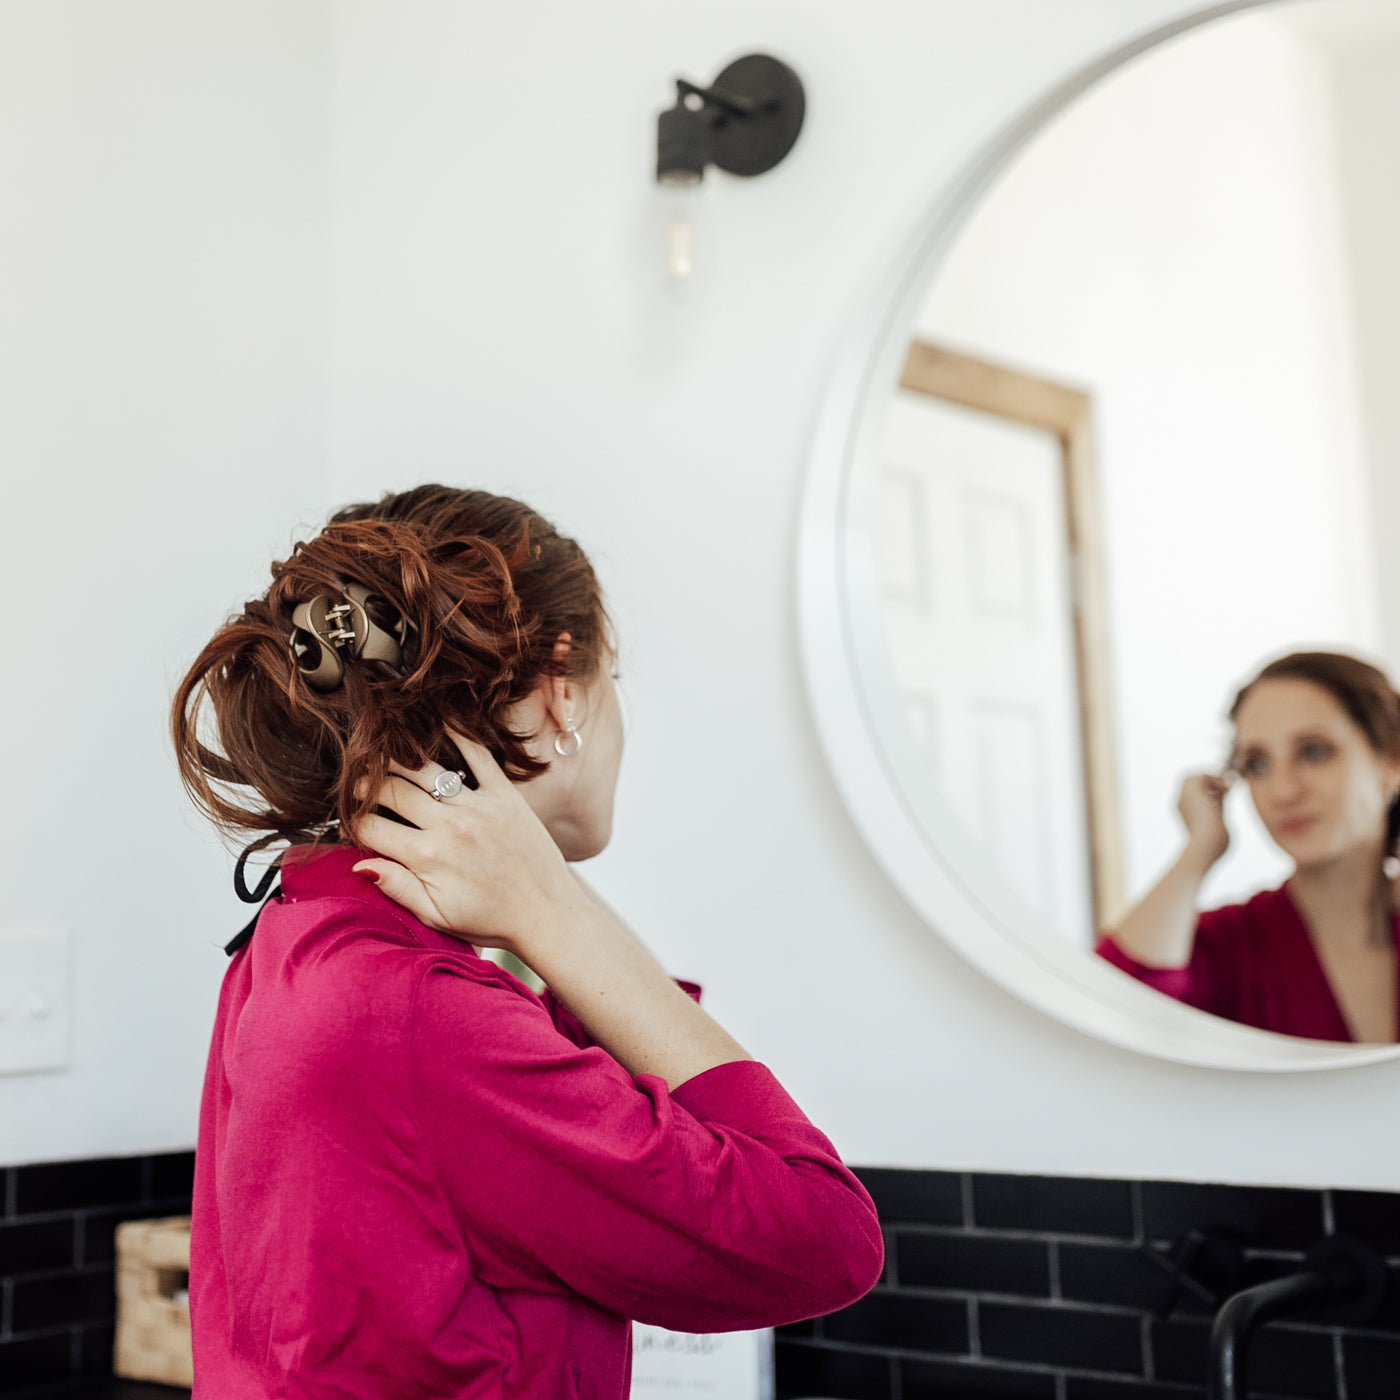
1317, 742
414, 1176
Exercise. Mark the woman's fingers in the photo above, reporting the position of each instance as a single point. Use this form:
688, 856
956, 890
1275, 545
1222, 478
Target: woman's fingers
480, 761
407, 798
392, 839
403, 887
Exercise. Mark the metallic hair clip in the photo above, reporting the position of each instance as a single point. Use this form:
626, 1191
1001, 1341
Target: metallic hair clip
321, 631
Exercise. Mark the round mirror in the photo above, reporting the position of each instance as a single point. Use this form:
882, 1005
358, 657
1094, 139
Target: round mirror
1116, 433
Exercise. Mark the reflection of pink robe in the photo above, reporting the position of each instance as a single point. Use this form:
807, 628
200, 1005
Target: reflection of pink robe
1254, 963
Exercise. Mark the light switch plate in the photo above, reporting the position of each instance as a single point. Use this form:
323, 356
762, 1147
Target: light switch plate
35, 999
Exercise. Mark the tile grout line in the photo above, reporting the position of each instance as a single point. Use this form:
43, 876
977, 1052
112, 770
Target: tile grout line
1339, 1363
926, 1229
965, 1185
973, 1365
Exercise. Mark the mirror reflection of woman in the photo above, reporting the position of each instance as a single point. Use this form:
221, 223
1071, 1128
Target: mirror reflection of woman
1317, 743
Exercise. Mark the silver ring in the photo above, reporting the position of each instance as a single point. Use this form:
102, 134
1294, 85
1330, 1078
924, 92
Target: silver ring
447, 785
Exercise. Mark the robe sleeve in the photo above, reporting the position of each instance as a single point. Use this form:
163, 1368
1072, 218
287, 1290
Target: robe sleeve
1209, 981
712, 1207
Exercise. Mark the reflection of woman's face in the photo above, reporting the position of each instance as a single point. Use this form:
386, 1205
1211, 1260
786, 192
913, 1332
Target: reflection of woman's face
1319, 787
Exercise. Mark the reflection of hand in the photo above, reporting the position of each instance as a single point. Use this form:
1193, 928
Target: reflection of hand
1202, 808
480, 865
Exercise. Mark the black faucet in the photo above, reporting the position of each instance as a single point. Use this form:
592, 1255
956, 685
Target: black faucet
1339, 1275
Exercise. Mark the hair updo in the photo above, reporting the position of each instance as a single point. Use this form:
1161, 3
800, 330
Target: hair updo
485, 585
1362, 690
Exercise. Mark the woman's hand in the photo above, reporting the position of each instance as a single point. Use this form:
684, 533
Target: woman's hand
480, 865
1202, 808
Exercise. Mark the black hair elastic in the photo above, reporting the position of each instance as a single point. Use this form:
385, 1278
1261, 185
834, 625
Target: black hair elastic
262, 895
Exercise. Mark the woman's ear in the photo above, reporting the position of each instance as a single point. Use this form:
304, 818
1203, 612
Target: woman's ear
1391, 771
558, 691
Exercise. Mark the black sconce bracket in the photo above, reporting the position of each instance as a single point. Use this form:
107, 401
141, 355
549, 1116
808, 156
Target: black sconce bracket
745, 122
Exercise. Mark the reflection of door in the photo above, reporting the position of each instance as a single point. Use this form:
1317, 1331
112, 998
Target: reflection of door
989, 575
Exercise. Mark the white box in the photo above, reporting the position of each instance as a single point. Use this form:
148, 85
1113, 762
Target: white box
701, 1365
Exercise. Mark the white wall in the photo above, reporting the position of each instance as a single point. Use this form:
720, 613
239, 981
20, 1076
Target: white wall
1174, 246
496, 318
163, 302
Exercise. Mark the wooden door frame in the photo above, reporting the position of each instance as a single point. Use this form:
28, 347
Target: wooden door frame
1006, 393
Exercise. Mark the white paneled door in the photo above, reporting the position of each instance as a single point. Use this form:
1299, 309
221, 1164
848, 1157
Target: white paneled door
978, 598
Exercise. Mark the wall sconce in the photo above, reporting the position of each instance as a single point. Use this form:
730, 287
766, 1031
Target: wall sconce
744, 123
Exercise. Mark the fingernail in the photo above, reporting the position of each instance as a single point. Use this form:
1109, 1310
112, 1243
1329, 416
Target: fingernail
371, 875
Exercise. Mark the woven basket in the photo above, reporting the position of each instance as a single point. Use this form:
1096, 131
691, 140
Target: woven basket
153, 1325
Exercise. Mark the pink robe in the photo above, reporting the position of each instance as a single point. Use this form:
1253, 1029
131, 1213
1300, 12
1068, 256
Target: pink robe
1254, 963
415, 1178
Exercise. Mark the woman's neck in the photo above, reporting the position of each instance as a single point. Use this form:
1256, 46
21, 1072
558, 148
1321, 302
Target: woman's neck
1346, 900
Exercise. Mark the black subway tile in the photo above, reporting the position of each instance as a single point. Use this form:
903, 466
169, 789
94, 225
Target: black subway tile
1283, 1361
1118, 1275
27, 1247
1372, 1366
972, 1380
1181, 1351
1266, 1217
1054, 1336
172, 1176
913, 1197
34, 1361
55, 1186
61, 1299
1386, 1318
843, 1375
1053, 1205
95, 1350
906, 1320
974, 1263
1373, 1217
797, 1329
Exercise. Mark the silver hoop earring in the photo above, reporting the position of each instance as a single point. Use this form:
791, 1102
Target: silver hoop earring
571, 731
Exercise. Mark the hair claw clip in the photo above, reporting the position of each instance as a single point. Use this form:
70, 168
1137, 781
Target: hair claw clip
322, 630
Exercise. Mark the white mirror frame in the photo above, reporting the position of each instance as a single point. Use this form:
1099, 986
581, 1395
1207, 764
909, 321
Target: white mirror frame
851, 684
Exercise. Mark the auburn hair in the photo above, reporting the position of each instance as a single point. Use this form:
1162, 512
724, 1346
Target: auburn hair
485, 584
1362, 690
